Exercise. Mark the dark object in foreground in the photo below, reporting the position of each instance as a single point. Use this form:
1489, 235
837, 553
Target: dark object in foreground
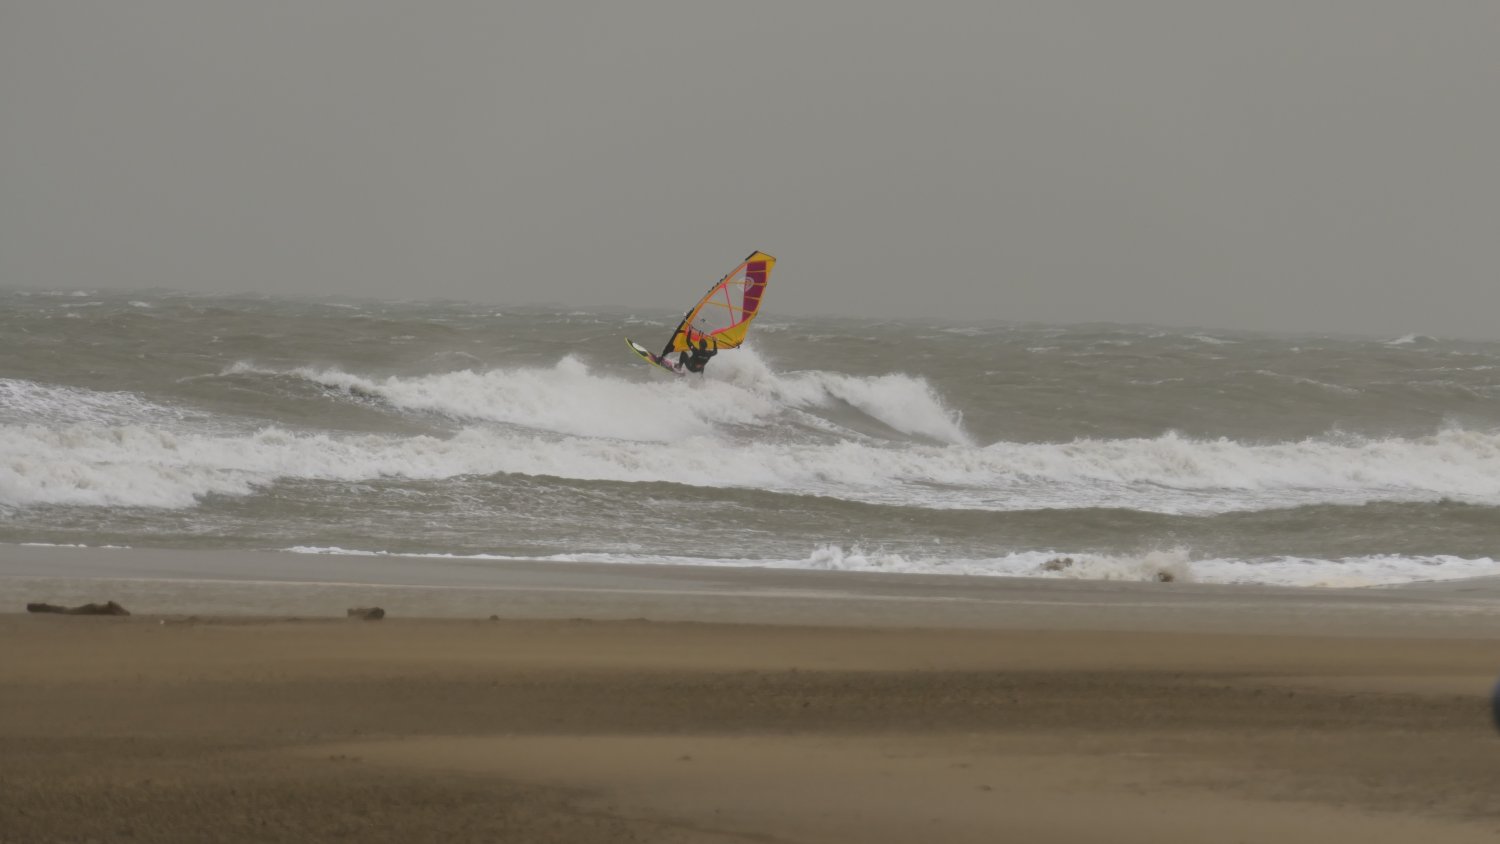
366, 613
110, 608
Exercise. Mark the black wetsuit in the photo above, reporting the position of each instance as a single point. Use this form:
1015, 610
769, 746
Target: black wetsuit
695, 360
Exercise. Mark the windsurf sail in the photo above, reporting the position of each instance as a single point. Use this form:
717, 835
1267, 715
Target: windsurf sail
724, 314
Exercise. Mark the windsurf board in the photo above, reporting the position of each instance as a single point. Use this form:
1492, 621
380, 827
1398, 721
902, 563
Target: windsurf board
652, 357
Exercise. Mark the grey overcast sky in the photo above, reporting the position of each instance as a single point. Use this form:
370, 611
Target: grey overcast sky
1302, 165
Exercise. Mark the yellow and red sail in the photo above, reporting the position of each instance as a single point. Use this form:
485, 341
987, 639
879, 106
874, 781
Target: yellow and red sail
723, 316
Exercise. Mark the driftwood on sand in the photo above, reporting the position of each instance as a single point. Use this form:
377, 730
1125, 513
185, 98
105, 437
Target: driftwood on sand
110, 608
366, 613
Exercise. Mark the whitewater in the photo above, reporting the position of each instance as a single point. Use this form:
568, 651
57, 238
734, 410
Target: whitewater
422, 429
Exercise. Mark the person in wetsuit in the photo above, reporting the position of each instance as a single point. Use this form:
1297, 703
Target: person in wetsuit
695, 360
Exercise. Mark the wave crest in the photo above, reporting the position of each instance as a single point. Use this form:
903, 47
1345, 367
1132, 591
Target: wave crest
570, 398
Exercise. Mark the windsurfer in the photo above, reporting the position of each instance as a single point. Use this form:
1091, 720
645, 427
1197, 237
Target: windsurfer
719, 320
697, 359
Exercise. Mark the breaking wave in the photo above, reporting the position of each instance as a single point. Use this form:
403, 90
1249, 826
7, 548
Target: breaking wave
23, 401
142, 465
570, 398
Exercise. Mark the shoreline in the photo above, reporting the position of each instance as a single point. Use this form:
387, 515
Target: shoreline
655, 703
279, 583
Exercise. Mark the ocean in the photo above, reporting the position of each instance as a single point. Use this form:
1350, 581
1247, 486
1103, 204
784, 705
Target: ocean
154, 419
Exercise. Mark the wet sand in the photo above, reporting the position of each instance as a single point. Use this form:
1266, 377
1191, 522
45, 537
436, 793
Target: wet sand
726, 706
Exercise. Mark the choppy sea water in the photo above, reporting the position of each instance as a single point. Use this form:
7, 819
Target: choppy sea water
157, 419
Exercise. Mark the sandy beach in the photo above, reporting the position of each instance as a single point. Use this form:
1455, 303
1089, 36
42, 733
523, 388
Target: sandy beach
656, 704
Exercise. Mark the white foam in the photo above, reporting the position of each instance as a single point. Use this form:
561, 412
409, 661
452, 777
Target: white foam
1212, 341
570, 398
1172, 473
147, 465
1170, 565
1174, 565
903, 402
27, 402
566, 398
1372, 570
831, 557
